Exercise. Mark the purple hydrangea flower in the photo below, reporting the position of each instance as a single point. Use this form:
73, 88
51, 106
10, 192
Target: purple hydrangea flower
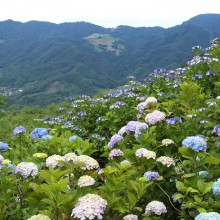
3, 147
114, 140
19, 130
174, 120
196, 143
82, 113
151, 175
216, 130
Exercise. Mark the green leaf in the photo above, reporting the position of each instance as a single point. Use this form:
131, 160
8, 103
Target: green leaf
210, 160
187, 152
132, 199
201, 210
188, 175
180, 186
178, 196
48, 201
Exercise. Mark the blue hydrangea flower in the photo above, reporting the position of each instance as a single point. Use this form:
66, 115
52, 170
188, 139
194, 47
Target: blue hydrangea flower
3, 147
39, 132
73, 138
196, 143
47, 137
216, 130
216, 187
151, 175
174, 120
19, 130
208, 216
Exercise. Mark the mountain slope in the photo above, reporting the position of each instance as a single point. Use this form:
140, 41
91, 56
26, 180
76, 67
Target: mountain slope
48, 61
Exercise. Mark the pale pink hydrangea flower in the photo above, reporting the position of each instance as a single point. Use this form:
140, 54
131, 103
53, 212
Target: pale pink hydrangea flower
115, 153
155, 208
130, 217
167, 161
155, 117
90, 206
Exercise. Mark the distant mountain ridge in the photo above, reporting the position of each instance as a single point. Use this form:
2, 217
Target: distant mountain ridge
43, 62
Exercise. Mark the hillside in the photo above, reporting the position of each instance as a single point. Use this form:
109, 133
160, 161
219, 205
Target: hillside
41, 62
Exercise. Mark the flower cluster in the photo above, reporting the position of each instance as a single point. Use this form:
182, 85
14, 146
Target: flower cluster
19, 130
143, 152
39, 133
174, 120
26, 169
125, 162
208, 216
3, 147
53, 161
90, 206
114, 140
40, 155
150, 101
115, 153
155, 207
216, 187
166, 142
216, 130
151, 175
154, 117
90, 163
196, 143
71, 157
130, 217
166, 161
39, 217
85, 181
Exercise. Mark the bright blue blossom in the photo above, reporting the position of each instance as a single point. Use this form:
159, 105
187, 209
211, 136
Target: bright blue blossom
208, 216
73, 138
39, 132
151, 175
216, 187
19, 130
3, 147
196, 143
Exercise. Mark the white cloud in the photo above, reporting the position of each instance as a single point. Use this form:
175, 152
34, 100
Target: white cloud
108, 13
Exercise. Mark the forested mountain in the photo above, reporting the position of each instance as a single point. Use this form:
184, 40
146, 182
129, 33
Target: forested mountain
42, 62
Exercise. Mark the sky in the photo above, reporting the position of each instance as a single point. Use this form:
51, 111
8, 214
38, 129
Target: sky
108, 13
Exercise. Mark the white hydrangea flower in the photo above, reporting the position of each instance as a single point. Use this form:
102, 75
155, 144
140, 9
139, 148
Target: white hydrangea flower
141, 152
126, 162
150, 100
53, 161
90, 163
39, 217
167, 142
86, 181
26, 169
141, 107
167, 161
71, 157
130, 217
149, 154
155, 207
90, 206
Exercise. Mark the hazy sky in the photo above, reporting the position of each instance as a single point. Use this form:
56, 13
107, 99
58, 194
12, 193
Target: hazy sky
111, 13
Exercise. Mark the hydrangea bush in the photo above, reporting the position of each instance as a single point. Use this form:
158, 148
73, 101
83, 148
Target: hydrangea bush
148, 150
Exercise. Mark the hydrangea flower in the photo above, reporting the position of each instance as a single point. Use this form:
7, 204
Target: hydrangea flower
208, 216
126, 162
115, 153
166, 161
167, 142
216, 187
140, 128
114, 140
3, 147
90, 163
53, 161
1, 158
73, 138
150, 100
143, 152
39, 217
39, 132
40, 155
19, 130
154, 117
155, 208
26, 169
90, 206
174, 120
196, 143
141, 107
71, 156
216, 130
85, 181
130, 217
151, 175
